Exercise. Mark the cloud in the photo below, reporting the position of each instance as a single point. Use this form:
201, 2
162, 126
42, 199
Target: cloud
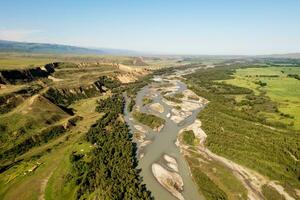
17, 35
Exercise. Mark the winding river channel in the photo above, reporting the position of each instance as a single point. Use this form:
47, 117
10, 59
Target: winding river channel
155, 145
160, 152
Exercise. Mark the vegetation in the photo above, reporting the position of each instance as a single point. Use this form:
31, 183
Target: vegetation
178, 95
109, 171
188, 137
11, 100
39, 143
214, 180
277, 83
147, 100
272, 151
30, 142
108, 83
27, 125
50, 161
296, 76
148, 119
114, 102
270, 193
64, 98
209, 189
173, 99
133, 88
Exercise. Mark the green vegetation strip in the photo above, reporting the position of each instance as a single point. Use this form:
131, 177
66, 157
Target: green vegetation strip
146, 101
188, 137
280, 84
271, 194
209, 189
148, 119
109, 170
239, 134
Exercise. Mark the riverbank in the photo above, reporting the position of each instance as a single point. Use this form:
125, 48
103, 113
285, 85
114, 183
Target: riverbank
242, 137
164, 170
189, 170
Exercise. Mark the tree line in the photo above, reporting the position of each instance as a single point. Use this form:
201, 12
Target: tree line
110, 172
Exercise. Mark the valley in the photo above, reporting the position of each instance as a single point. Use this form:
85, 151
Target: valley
150, 100
190, 131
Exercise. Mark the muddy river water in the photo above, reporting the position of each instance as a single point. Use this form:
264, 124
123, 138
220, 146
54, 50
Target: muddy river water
157, 144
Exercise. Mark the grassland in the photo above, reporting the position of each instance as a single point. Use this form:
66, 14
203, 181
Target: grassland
214, 180
33, 115
238, 133
74, 76
40, 170
270, 193
18, 181
281, 88
23, 61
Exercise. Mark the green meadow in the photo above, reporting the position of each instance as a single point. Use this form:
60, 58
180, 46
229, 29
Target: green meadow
281, 88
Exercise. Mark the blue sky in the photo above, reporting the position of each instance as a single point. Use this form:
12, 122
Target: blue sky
165, 26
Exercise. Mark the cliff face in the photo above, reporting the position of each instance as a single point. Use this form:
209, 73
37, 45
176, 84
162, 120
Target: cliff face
63, 97
26, 75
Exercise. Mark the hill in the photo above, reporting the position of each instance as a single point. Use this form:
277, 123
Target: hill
288, 55
27, 47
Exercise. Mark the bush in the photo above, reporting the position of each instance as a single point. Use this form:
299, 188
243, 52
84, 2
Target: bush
148, 119
188, 137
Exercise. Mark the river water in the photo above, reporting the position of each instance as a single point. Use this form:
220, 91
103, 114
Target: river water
163, 142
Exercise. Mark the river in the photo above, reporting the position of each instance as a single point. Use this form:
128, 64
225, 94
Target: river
163, 142
155, 145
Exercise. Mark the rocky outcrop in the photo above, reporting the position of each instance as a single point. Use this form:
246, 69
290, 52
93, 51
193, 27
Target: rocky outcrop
130, 73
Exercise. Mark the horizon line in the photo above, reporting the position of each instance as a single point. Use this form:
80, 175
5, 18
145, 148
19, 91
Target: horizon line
150, 53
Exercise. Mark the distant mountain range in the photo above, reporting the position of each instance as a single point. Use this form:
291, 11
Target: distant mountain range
288, 55
28, 47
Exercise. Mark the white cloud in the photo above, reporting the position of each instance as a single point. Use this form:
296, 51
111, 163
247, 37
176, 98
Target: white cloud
17, 35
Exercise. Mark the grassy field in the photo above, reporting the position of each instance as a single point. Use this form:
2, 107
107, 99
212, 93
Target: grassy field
17, 61
33, 115
53, 159
30, 60
69, 77
35, 165
279, 87
238, 133
214, 180
10, 88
